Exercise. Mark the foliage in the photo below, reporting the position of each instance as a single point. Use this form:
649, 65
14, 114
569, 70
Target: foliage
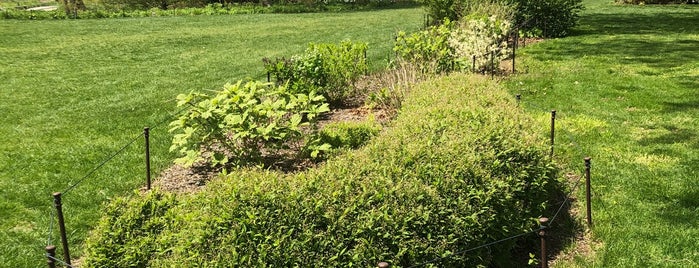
350, 134
329, 69
240, 122
133, 67
459, 168
135, 224
155, 8
428, 49
551, 18
483, 36
651, 2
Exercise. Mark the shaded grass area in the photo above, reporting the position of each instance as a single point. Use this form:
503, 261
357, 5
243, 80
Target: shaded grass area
74, 92
626, 86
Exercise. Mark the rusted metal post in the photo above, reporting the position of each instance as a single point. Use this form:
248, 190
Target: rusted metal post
269, 78
588, 190
542, 235
146, 135
50, 256
553, 131
383, 264
473, 64
61, 226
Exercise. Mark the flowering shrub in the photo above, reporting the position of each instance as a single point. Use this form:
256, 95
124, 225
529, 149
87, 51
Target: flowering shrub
482, 36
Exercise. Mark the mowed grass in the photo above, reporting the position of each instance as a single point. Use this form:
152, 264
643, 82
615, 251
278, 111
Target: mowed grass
626, 87
74, 92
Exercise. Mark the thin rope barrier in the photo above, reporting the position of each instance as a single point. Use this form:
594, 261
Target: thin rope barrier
62, 262
67, 190
51, 217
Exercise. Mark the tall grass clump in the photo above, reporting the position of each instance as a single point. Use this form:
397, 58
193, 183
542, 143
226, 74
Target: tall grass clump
459, 168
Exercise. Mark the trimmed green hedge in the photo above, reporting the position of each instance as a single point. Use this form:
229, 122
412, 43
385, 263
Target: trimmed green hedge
460, 167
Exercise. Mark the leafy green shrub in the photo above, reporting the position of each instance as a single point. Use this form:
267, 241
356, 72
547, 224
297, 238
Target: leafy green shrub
483, 35
134, 224
350, 135
459, 168
551, 18
329, 69
241, 121
548, 18
428, 49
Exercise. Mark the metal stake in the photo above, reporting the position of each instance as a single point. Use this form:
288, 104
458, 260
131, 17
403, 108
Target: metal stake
588, 190
50, 256
61, 226
553, 131
542, 234
146, 134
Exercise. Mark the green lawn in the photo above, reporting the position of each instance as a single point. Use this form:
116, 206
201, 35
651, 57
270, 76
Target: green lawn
626, 86
75, 91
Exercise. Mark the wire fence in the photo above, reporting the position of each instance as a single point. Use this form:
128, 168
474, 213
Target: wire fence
545, 223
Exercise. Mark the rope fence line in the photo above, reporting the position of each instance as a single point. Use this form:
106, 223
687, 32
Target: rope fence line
58, 213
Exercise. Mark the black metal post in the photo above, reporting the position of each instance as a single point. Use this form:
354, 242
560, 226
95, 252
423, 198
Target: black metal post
61, 226
473, 62
269, 79
588, 190
146, 135
542, 235
518, 97
50, 256
553, 131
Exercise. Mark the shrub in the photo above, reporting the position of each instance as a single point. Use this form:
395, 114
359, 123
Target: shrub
551, 18
241, 121
483, 36
349, 135
547, 18
459, 168
429, 49
329, 69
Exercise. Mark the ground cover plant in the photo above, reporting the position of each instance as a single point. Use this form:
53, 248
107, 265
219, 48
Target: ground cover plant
459, 167
625, 85
74, 92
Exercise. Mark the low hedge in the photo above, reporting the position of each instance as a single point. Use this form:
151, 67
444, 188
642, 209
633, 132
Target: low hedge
459, 167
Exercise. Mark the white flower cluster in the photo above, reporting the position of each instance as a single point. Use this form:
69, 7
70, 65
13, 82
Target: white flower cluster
480, 36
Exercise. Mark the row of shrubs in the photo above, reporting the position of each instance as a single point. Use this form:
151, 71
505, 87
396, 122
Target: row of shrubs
459, 167
545, 18
123, 11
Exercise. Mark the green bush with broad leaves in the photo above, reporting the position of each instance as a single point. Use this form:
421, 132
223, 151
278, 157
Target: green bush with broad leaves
461, 166
240, 122
329, 69
428, 49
